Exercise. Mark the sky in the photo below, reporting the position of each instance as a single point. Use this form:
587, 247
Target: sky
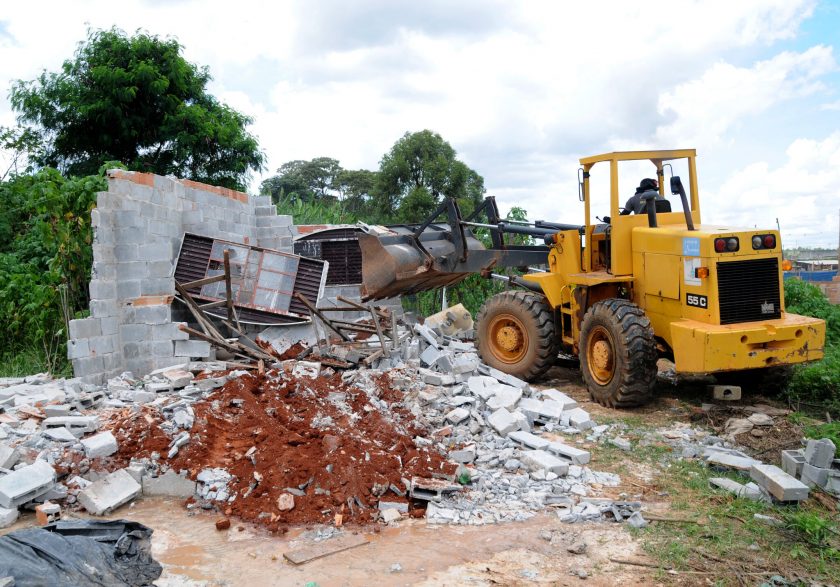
522, 90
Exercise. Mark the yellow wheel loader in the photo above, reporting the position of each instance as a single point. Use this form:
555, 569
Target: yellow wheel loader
619, 294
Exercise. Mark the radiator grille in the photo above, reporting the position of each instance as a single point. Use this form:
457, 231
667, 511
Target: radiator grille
749, 290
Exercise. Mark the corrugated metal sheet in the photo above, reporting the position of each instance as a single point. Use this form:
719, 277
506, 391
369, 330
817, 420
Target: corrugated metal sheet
340, 248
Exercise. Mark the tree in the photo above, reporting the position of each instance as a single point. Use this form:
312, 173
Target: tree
136, 100
304, 180
418, 171
356, 187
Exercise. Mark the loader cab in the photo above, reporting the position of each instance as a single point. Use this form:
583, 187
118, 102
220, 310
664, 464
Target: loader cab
607, 246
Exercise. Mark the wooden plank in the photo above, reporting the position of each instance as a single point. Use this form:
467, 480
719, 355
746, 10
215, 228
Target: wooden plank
317, 312
325, 548
210, 305
203, 282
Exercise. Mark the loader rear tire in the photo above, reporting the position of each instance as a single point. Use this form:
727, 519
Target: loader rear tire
516, 334
618, 354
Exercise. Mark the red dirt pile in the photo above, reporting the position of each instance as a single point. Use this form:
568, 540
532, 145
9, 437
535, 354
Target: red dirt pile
319, 436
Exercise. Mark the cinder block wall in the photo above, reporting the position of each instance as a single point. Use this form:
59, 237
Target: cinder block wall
138, 225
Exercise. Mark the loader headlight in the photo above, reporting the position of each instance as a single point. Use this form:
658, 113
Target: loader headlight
757, 242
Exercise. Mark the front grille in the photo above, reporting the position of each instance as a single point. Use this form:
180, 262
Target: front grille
749, 290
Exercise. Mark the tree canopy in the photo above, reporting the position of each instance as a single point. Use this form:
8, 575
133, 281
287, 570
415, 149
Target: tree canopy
306, 181
135, 99
418, 171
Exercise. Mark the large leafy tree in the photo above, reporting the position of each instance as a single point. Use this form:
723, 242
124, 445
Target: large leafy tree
306, 181
136, 99
418, 171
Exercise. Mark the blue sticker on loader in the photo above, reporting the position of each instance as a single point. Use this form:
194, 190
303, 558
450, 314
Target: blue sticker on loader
691, 247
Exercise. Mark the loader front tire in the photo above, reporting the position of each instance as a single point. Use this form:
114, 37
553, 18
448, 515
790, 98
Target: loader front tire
618, 354
516, 334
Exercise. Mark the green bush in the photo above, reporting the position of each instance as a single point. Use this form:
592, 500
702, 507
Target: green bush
816, 385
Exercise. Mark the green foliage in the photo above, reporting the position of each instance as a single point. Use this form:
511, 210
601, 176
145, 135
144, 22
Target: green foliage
316, 212
817, 384
811, 527
45, 258
135, 99
307, 181
417, 172
830, 430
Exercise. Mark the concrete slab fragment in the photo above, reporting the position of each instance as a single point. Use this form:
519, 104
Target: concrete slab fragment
779, 484
109, 493
572, 454
25, 484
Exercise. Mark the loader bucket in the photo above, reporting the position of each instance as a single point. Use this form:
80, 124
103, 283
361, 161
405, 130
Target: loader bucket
395, 263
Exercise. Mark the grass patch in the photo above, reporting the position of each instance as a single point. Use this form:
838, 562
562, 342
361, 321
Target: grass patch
729, 542
818, 431
30, 361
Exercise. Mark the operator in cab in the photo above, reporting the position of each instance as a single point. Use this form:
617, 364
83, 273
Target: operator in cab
636, 205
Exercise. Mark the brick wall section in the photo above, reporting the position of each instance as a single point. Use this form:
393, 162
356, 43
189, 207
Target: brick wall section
138, 226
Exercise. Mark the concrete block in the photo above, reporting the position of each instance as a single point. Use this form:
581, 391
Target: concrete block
128, 289
507, 379
25, 484
100, 445
559, 397
78, 348
109, 493
820, 453
429, 356
156, 251
104, 308
433, 378
192, 348
530, 407
464, 455
725, 392
522, 421
57, 410
574, 455
8, 456
730, 461
814, 476
748, 491
539, 460
8, 516
504, 396
158, 286
579, 418
502, 422
779, 484
102, 345
529, 440
78, 425
110, 326
792, 461
85, 328
169, 484
134, 333
458, 415
464, 364
482, 386
60, 435
159, 314
102, 289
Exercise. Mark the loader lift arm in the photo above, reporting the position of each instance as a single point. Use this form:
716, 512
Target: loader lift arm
409, 258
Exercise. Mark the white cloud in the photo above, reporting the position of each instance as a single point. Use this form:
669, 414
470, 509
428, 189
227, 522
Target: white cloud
520, 90
831, 106
704, 109
803, 193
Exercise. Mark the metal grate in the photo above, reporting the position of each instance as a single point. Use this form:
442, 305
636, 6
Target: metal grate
339, 247
749, 290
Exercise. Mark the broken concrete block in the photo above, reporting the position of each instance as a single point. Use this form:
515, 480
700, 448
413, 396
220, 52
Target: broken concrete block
429, 356
621, 443
100, 445
725, 392
502, 422
522, 420
170, 484
507, 379
482, 386
575, 455
814, 476
433, 378
391, 514
792, 461
47, 513
60, 435
210, 383
759, 419
57, 410
749, 491
8, 516
579, 418
8, 456
464, 455
504, 396
458, 415
109, 493
25, 484
559, 397
528, 439
178, 378
137, 471
539, 460
779, 484
730, 461
636, 520
464, 364
820, 453
192, 348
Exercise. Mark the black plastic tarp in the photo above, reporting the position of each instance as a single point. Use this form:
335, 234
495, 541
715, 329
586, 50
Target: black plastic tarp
80, 552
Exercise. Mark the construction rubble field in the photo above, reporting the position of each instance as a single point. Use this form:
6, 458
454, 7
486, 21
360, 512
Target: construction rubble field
425, 467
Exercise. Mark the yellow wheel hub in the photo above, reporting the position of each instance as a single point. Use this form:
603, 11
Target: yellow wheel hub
600, 355
508, 338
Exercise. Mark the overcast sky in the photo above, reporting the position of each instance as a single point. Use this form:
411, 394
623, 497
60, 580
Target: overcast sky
521, 90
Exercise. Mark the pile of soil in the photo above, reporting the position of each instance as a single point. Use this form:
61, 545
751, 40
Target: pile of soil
319, 436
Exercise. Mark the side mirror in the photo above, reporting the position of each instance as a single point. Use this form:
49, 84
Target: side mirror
581, 175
